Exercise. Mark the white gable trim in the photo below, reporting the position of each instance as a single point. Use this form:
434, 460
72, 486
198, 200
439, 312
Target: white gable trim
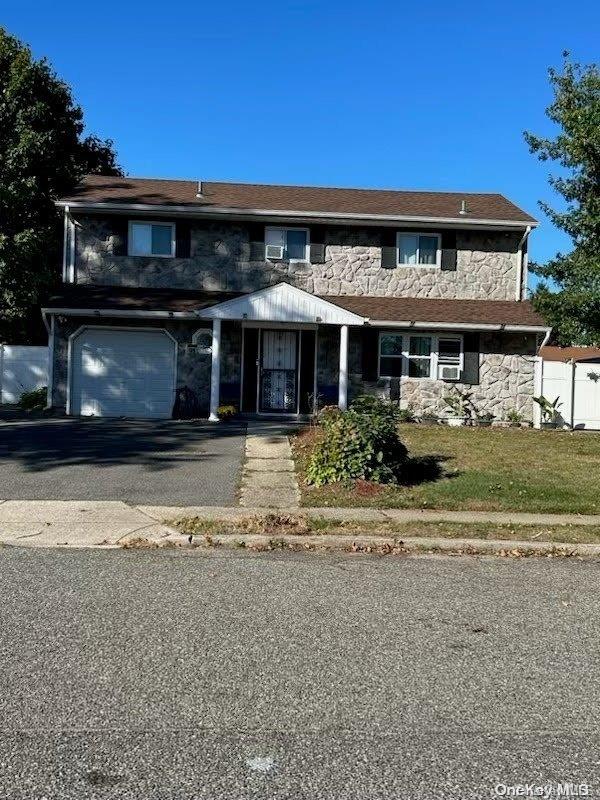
282, 303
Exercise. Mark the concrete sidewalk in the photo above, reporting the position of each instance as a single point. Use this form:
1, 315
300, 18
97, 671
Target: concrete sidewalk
50, 523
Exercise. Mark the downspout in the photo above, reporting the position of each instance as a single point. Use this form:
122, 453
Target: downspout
520, 260
65, 242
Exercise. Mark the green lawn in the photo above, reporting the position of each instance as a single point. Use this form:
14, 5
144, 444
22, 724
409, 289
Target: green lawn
485, 469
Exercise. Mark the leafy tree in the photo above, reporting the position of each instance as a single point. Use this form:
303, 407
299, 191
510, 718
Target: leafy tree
572, 305
43, 155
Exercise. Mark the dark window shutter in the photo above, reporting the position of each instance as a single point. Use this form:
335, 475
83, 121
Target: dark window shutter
120, 234
449, 251
256, 235
370, 353
471, 358
183, 239
317, 245
389, 250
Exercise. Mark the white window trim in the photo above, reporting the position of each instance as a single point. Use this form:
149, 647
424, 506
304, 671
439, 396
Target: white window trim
434, 358
429, 234
133, 222
285, 229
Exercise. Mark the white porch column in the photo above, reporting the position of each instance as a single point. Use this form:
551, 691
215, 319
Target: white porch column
215, 371
343, 387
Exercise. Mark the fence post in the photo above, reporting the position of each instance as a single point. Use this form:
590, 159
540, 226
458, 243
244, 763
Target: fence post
569, 416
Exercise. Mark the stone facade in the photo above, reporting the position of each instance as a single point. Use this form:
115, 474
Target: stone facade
506, 368
220, 252
506, 380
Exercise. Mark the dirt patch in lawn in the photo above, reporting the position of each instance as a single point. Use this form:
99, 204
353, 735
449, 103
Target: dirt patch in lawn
476, 469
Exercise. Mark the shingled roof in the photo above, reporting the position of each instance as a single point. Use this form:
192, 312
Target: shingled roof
381, 309
249, 197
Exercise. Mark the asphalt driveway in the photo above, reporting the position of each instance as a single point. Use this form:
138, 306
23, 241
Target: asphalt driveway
170, 463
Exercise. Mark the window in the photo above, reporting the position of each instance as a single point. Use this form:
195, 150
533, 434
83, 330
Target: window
151, 239
419, 357
450, 358
390, 355
419, 249
290, 244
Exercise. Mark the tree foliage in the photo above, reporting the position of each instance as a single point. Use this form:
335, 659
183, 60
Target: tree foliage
571, 302
43, 155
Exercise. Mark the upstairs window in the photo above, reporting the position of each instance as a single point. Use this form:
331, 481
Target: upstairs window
152, 239
419, 250
286, 244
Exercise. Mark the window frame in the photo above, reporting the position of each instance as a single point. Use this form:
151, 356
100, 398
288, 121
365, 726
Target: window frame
133, 222
433, 358
431, 235
285, 229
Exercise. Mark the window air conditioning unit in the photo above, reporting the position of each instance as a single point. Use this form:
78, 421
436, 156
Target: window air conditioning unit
274, 252
449, 373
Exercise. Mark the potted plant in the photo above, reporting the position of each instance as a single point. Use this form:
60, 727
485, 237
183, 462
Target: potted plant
484, 420
429, 418
458, 408
549, 411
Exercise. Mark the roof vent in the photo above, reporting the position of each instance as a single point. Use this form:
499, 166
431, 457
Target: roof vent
463, 208
199, 191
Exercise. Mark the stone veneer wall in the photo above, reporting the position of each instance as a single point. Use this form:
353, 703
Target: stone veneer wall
193, 368
219, 261
506, 375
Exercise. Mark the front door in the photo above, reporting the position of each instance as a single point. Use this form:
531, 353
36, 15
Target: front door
278, 371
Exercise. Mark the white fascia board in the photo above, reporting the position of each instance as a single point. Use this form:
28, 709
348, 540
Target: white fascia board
458, 326
106, 312
299, 216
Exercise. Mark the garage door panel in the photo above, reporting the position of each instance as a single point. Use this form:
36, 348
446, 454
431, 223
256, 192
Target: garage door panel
123, 373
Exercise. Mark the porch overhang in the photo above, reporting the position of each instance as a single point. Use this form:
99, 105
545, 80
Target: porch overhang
282, 303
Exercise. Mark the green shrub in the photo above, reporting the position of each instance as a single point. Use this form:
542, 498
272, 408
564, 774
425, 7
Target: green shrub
34, 400
362, 442
226, 411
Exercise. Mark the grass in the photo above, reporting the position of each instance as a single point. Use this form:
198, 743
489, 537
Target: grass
281, 525
477, 469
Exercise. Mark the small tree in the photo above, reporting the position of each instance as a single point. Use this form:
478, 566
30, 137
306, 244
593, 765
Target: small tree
43, 155
573, 307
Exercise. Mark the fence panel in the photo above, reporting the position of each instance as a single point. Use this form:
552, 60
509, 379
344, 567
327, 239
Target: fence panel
22, 369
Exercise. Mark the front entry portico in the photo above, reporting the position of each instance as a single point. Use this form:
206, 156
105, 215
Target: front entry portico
280, 327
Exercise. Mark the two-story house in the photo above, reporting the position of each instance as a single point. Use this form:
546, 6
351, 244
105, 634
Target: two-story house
271, 297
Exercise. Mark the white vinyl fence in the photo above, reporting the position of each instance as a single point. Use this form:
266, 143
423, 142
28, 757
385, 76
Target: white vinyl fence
578, 386
22, 369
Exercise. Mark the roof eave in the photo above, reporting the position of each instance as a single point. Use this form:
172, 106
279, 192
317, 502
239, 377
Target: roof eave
299, 216
462, 326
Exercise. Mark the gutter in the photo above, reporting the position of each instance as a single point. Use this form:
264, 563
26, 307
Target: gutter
460, 326
300, 216
104, 312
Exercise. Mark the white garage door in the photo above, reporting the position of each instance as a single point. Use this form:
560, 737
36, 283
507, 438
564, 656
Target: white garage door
122, 373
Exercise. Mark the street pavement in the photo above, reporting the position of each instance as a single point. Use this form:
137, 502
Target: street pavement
225, 674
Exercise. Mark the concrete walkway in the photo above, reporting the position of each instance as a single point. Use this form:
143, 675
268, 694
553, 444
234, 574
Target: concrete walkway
72, 523
268, 477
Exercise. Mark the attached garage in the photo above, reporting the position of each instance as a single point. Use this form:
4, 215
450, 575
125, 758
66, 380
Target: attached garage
122, 372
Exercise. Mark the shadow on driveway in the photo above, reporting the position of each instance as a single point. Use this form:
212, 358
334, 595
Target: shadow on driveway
155, 462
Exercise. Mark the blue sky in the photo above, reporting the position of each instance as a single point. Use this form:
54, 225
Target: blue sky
382, 94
